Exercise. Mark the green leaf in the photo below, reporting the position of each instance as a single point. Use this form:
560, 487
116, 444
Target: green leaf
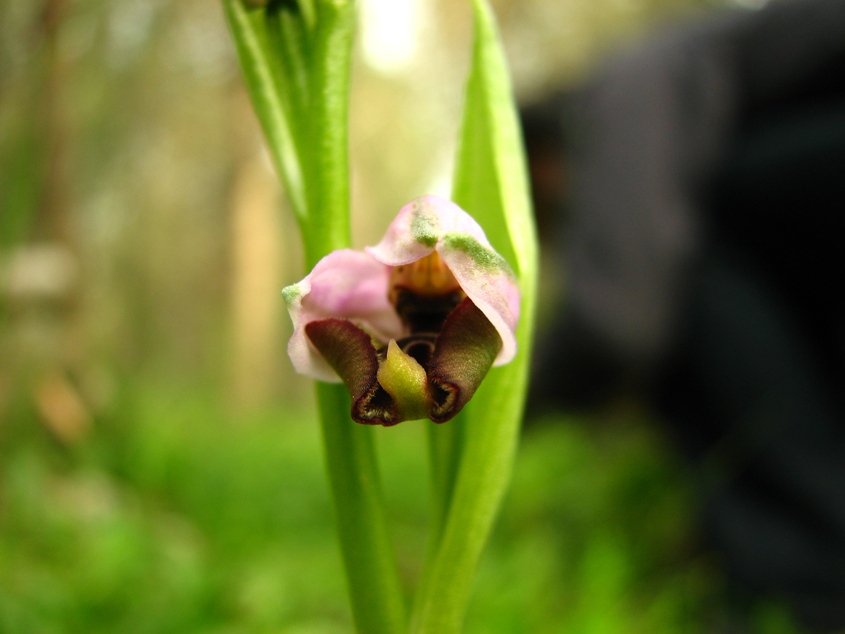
269, 88
472, 457
295, 61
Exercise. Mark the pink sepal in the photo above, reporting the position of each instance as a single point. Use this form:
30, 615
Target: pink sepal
431, 224
345, 284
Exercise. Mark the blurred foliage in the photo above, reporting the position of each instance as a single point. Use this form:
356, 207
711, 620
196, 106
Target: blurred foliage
176, 516
160, 465
179, 517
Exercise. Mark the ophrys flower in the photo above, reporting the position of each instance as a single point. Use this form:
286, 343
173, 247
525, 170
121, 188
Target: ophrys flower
411, 325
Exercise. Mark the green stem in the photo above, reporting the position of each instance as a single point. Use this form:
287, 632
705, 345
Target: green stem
377, 601
375, 591
445, 447
307, 49
328, 151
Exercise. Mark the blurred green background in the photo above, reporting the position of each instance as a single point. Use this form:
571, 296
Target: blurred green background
160, 464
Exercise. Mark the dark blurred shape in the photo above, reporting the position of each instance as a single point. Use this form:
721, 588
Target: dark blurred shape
703, 254
546, 132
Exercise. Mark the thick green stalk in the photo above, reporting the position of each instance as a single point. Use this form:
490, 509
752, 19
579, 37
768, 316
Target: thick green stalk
370, 563
491, 183
369, 560
295, 60
328, 150
377, 600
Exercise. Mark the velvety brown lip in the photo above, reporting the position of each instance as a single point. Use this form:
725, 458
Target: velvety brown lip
455, 361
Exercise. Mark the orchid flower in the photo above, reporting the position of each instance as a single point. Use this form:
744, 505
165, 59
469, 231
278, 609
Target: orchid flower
411, 325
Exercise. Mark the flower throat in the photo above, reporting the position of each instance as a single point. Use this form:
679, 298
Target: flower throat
423, 293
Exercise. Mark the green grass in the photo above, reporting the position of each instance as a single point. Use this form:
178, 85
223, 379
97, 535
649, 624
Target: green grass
176, 516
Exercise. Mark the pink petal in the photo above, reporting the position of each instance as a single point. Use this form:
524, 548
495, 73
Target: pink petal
345, 284
432, 223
